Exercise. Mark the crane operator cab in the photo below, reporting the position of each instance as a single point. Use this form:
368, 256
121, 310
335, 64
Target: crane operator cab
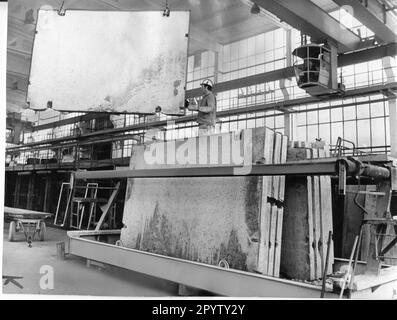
315, 67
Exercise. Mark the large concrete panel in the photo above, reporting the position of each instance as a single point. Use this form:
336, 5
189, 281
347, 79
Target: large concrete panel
109, 61
199, 219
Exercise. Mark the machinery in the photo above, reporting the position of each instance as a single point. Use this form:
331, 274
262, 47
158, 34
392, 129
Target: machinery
369, 279
315, 67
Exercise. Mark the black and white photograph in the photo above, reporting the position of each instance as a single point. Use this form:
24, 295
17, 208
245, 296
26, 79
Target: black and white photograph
199, 149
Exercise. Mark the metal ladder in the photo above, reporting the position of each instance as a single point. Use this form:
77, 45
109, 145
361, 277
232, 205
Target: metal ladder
94, 192
78, 206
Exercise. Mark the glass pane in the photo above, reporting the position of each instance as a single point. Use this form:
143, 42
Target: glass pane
269, 56
312, 132
312, 117
260, 122
260, 42
323, 116
269, 40
337, 131
349, 113
251, 123
349, 130
270, 122
362, 111
301, 133
336, 114
301, 118
243, 49
279, 122
361, 79
377, 109
364, 133
378, 131
251, 46
325, 132
279, 38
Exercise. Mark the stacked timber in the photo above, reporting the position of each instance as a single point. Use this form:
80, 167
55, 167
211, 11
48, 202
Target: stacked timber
272, 217
307, 218
228, 221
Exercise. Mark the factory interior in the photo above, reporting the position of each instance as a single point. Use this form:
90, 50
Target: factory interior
197, 148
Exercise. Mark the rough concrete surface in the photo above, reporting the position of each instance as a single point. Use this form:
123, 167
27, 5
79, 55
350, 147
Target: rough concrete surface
199, 219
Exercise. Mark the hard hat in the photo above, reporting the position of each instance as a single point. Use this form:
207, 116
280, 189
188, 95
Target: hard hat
207, 82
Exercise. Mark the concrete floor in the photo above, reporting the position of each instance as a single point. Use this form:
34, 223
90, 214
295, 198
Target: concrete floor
72, 276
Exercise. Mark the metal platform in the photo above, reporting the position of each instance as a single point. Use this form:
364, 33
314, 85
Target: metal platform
225, 282
101, 246
105, 247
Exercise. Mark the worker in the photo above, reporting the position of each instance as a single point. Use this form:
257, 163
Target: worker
206, 108
156, 132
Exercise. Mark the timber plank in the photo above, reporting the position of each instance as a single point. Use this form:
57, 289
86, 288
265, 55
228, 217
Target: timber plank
326, 215
317, 221
272, 240
278, 244
263, 260
276, 160
283, 159
265, 208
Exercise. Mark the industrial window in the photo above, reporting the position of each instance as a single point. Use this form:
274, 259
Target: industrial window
364, 120
365, 123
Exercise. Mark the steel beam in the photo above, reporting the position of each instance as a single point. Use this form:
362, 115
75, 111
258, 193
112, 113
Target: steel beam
365, 55
325, 166
222, 281
301, 168
305, 16
374, 16
387, 65
49, 144
257, 108
343, 61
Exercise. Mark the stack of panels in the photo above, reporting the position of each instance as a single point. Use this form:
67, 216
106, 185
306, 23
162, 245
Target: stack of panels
272, 217
209, 219
307, 218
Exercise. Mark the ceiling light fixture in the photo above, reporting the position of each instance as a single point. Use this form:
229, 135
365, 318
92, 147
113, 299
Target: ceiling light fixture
255, 9
166, 12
